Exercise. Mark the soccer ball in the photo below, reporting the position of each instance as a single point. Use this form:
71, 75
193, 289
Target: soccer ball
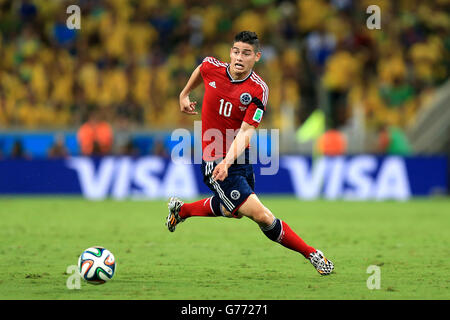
96, 265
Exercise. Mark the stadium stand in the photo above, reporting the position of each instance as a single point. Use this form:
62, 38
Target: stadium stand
131, 59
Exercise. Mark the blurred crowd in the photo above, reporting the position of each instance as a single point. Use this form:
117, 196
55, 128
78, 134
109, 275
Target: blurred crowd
130, 59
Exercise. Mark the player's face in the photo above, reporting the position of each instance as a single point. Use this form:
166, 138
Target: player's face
243, 58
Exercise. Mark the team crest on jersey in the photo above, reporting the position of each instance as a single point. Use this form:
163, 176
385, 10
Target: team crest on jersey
245, 98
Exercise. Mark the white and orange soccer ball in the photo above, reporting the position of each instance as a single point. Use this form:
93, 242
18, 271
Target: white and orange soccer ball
97, 265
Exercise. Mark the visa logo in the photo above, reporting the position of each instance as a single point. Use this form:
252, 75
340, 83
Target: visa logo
126, 177
354, 178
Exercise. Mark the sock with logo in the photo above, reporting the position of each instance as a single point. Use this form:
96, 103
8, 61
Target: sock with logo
280, 232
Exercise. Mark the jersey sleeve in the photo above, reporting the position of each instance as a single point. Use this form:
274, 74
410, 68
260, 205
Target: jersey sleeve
257, 106
210, 63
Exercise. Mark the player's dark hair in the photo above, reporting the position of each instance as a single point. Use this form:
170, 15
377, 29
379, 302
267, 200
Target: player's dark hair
248, 37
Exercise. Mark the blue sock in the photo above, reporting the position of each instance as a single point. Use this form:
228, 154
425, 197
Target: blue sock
273, 232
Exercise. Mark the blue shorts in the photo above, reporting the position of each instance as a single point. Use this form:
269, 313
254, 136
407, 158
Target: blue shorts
235, 189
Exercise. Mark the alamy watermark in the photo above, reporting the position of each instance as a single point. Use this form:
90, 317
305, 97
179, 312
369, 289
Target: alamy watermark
374, 20
265, 143
264, 147
374, 280
74, 20
74, 280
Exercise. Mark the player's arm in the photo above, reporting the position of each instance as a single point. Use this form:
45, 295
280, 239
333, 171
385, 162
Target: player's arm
237, 147
194, 81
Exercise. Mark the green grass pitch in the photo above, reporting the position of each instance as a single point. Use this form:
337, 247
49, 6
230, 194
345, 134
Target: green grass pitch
219, 258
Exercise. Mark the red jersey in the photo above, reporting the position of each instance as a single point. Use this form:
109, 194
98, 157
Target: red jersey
226, 103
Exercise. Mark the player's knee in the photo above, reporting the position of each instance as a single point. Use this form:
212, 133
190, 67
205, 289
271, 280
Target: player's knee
256, 211
263, 216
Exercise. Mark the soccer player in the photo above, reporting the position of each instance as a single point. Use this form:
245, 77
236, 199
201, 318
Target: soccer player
235, 100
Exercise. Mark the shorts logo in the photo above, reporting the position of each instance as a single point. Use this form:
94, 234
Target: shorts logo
245, 98
235, 194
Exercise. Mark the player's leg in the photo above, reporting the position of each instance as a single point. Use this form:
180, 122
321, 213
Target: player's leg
275, 229
180, 211
279, 231
200, 208
209, 207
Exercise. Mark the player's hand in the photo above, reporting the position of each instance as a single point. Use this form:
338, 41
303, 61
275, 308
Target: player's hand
187, 106
220, 172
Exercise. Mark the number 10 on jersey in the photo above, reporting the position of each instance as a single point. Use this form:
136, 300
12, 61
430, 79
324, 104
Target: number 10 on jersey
225, 108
